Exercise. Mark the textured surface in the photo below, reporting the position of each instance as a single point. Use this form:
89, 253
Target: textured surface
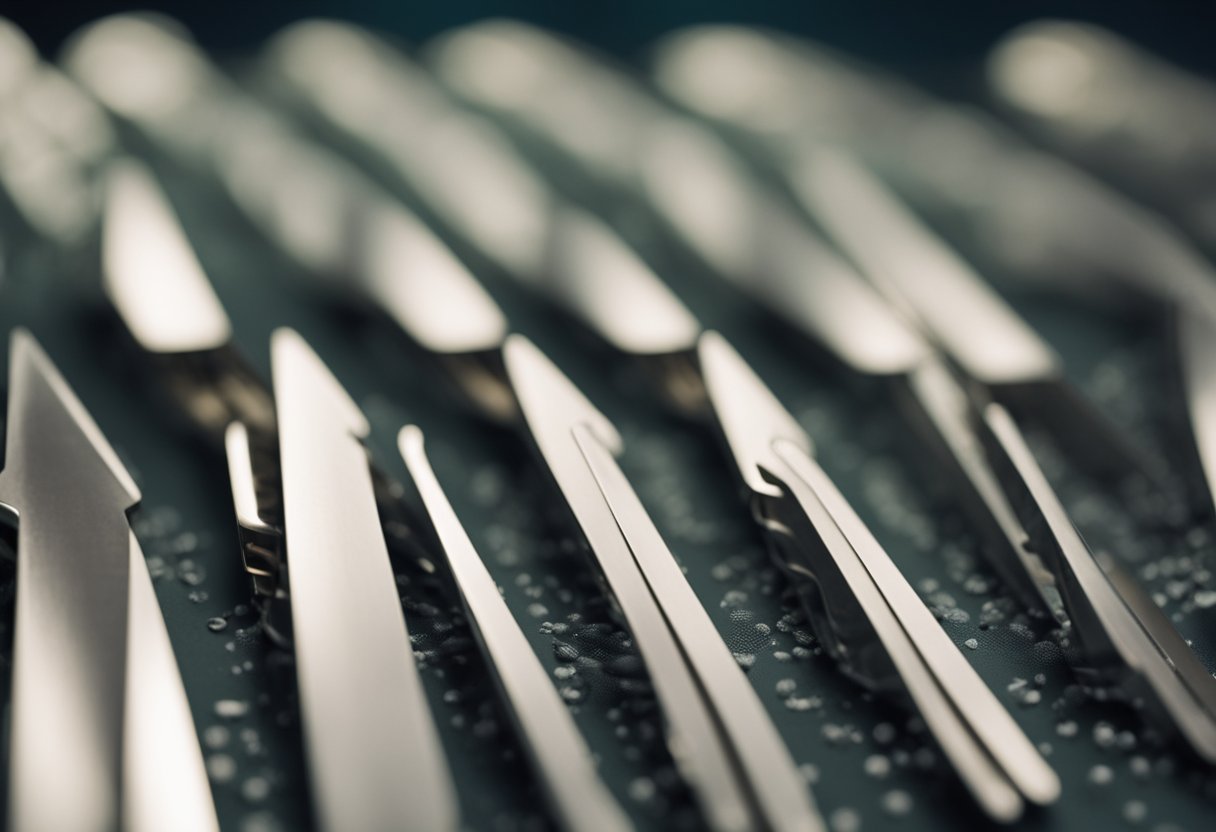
871, 768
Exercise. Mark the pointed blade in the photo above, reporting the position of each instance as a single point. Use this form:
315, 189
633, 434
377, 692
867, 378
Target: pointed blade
73, 556
150, 271
373, 750
559, 752
1116, 623
600, 279
165, 783
920, 275
555, 412
988, 749
781, 794
698, 186
749, 416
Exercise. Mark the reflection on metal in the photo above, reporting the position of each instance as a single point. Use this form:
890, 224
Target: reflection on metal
560, 756
373, 750
859, 599
1197, 355
1125, 639
95, 685
151, 273
920, 275
708, 197
560, 420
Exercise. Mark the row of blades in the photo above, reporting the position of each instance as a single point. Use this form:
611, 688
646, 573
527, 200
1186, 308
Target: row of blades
771, 161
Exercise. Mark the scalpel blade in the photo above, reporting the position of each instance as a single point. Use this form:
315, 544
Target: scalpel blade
552, 739
373, 750
556, 412
99, 712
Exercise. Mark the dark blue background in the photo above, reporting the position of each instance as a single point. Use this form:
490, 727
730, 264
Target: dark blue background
927, 35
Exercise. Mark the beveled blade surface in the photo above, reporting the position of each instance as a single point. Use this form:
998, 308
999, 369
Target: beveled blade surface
551, 738
554, 409
70, 644
373, 750
164, 780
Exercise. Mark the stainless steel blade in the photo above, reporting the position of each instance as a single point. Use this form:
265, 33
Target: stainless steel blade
71, 495
373, 750
560, 755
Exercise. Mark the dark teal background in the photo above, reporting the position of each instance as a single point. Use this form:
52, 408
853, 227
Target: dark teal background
939, 33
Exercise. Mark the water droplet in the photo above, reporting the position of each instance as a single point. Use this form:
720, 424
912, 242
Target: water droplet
845, 820
231, 708
877, 765
217, 624
1101, 775
971, 644
897, 803
1104, 735
215, 736
642, 789
1134, 811
221, 768
255, 789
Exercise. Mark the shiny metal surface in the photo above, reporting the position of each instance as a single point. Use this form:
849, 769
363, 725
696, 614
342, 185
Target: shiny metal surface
1197, 355
554, 409
946, 410
751, 238
151, 273
1034, 214
781, 794
706, 194
919, 274
1151, 665
465, 170
54, 138
474, 179
552, 740
1092, 90
977, 734
373, 753
747, 412
988, 750
422, 286
165, 783
320, 209
556, 412
99, 711
70, 642
617, 132
607, 285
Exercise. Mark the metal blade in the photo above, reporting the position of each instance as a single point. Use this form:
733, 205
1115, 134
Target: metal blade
748, 414
696, 184
463, 168
373, 750
606, 284
164, 780
781, 793
1196, 348
479, 184
70, 646
943, 410
554, 409
151, 273
996, 734
1130, 637
919, 274
558, 751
